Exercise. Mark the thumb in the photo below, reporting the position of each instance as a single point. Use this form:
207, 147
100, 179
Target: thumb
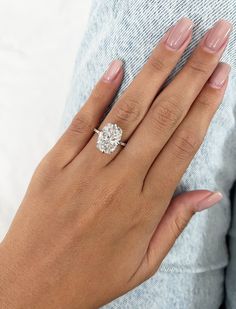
177, 216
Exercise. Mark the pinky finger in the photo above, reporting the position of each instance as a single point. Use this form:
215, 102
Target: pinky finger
178, 215
81, 128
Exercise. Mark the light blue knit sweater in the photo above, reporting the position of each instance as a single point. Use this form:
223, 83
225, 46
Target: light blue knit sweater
192, 275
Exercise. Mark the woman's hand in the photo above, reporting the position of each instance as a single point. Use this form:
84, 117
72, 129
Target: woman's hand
93, 225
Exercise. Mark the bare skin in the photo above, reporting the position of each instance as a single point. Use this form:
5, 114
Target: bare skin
93, 226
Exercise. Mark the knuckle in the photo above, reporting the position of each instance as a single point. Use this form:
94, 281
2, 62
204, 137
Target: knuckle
186, 145
106, 196
110, 192
158, 64
128, 110
178, 224
199, 66
166, 113
135, 218
97, 95
81, 124
205, 102
208, 99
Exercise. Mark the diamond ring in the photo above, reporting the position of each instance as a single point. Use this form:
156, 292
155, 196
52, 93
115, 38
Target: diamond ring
109, 138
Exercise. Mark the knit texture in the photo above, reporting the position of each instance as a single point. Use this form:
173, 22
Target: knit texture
192, 274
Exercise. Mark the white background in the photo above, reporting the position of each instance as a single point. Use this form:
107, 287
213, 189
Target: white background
38, 44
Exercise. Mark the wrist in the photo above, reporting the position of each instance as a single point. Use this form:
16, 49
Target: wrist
17, 293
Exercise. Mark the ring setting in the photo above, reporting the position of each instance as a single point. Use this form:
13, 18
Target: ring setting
109, 138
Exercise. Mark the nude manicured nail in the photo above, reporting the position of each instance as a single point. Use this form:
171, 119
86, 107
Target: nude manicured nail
209, 201
218, 35
179, 33
113, 70
220, 75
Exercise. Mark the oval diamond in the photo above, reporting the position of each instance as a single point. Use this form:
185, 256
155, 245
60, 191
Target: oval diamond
109, 137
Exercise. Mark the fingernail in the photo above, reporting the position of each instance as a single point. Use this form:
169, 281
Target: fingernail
113, 70
209, 201
220, 75
179, 33
218, 35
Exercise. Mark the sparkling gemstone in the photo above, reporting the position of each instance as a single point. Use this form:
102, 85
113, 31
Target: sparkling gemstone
108, 138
